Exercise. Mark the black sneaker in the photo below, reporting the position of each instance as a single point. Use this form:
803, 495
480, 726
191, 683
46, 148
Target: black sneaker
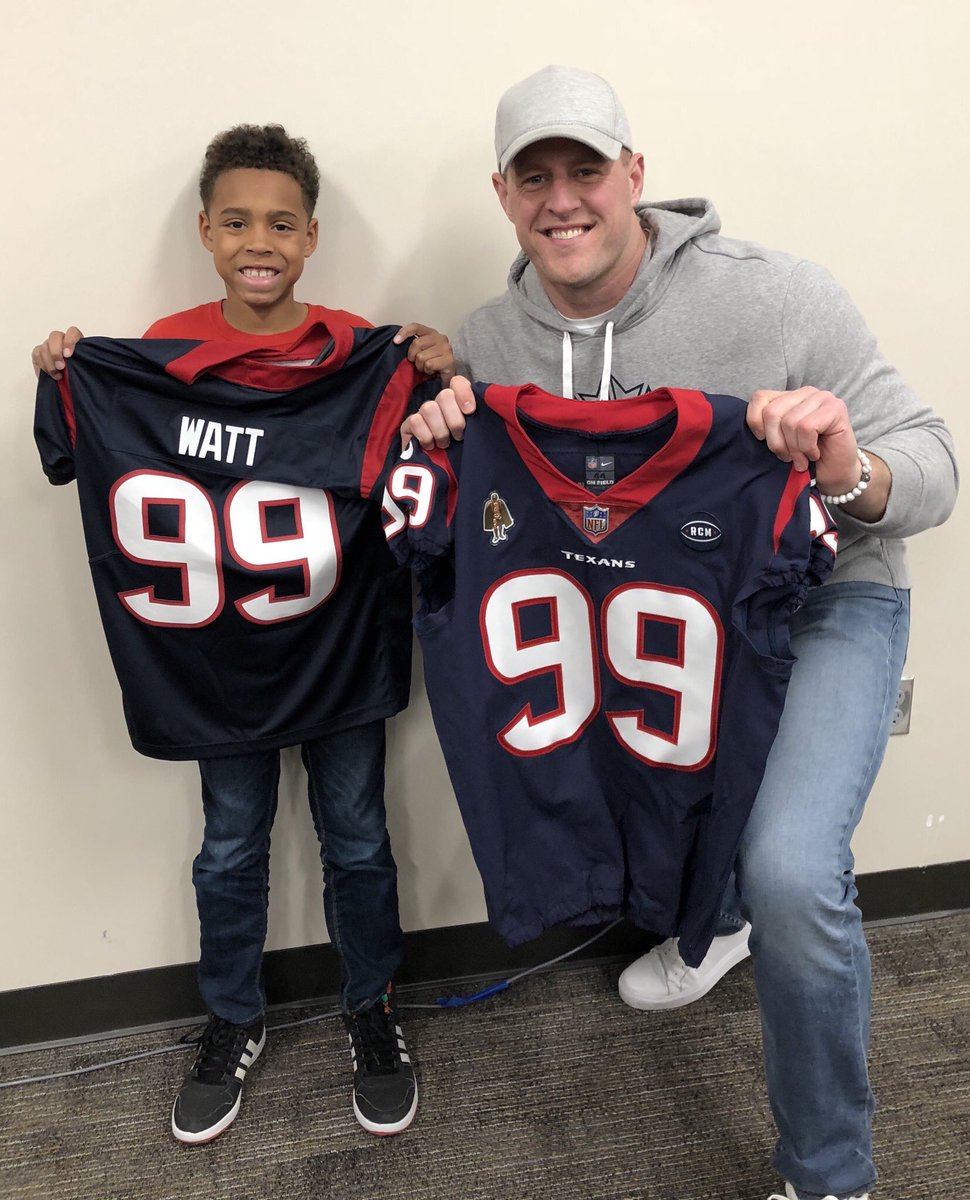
385, 1090
209, 1098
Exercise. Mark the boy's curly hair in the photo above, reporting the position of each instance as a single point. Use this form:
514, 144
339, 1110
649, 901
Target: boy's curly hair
265, 148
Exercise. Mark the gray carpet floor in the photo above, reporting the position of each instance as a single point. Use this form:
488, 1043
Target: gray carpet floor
552, 1090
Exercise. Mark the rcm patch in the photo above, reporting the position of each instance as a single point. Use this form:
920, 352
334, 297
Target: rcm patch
701, 532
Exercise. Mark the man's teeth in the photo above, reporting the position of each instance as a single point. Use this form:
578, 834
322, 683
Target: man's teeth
563, 235
259, 272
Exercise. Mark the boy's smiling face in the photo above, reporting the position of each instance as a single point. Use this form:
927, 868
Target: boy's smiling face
260, 235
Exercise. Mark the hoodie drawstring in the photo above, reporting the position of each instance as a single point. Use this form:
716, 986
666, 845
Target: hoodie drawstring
567, 363
607, 362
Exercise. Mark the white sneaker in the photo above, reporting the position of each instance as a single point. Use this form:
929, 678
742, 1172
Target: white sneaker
661, 979
791, 1194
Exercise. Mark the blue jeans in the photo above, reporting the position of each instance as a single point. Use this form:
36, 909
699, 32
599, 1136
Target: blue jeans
797, 888
345, 772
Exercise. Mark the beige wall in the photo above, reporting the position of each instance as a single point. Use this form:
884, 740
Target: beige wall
834, 130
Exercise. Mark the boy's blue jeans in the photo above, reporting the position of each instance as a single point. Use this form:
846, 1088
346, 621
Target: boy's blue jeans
231, 872
797, 888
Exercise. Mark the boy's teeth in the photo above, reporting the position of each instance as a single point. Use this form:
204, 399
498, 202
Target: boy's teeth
258, 272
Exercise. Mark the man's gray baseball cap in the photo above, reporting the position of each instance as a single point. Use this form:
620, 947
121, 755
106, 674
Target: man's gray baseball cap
560, 102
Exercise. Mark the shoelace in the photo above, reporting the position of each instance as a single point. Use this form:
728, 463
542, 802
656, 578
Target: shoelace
675, 969
218, 1045
375, 1039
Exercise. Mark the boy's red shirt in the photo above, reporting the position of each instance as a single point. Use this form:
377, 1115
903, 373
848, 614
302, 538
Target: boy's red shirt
207, 324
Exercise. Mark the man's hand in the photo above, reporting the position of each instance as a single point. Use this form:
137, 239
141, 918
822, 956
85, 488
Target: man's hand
441, 420
430, 351
810, 426
51, 355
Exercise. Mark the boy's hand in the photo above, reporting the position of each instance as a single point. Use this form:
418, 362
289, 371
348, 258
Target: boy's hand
430, 351
51, 355
442, 419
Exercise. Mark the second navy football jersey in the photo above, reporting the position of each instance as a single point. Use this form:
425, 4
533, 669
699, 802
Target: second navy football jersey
606, 591
246, 591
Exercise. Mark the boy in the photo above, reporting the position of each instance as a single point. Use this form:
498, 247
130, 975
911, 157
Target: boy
258, 188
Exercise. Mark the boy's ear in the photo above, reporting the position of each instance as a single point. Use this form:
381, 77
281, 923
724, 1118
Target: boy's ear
312, 233
205, 230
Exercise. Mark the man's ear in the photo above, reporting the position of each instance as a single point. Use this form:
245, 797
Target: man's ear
502, 191
636, 177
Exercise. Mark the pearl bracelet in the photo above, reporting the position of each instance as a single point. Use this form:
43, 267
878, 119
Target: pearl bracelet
860, 487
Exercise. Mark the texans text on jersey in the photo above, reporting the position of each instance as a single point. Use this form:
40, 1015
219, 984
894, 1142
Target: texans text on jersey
627, 563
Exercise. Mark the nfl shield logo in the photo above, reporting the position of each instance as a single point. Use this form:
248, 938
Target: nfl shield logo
595, 519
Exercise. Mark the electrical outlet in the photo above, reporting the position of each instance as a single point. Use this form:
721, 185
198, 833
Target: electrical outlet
904, 707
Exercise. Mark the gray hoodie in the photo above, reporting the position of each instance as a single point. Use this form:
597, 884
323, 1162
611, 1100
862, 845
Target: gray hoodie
726, 316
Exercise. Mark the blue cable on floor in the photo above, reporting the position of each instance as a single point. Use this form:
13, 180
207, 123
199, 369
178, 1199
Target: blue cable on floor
461, 1001
494, 988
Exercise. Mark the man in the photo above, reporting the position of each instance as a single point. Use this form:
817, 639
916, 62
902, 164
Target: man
611, 297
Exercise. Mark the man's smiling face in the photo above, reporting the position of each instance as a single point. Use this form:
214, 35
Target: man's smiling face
573, 215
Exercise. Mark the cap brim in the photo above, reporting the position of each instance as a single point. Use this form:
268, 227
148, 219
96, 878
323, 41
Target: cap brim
602, 143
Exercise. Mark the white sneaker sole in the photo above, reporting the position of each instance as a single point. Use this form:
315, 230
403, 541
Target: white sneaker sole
387, 1130
206, 1135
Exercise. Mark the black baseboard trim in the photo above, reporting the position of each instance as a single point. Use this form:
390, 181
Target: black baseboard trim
168, 995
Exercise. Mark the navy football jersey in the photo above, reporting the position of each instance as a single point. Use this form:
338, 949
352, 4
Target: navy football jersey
246, 591
606, 590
